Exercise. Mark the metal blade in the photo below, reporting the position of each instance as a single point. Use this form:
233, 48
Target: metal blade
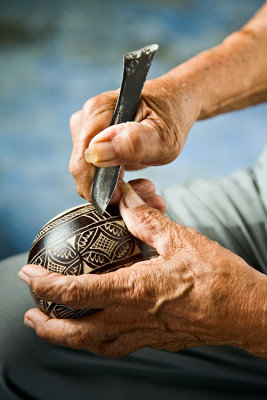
136, 66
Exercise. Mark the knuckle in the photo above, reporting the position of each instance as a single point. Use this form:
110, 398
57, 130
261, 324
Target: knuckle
192, 233
174, 238
37, 287
127, 144
100, 103
115, 353
132, 144
42, 290
76, 339
145, 217
169, 138
73, 293
75, 167
134, 286
157, 223
100, 332
74, 119
187, 236
111, 350
129, 289
44, 332
80, 192
72, 168
143, 294
91, 105
139, 292
167, 129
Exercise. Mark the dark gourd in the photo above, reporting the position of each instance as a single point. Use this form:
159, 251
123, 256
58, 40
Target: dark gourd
81, 241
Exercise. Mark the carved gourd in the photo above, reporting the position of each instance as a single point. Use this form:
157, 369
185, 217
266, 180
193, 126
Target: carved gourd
81, 241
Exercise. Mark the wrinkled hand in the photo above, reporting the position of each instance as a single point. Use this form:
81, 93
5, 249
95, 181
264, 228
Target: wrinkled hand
156, 137
194, 293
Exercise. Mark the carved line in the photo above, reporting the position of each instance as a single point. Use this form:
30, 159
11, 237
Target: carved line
56, 221
77, 232
72, 215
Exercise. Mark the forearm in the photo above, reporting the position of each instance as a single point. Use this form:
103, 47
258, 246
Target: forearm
239, 303
249, 306
230, 76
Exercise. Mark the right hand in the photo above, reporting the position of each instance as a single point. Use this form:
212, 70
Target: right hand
156, 136
194, 293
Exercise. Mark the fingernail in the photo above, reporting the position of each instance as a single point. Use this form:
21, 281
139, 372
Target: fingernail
100, 152
32, 271
24, 277
131, 198
29, 323
120, 182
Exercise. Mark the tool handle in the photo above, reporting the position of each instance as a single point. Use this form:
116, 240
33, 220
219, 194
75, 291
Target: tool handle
136, 67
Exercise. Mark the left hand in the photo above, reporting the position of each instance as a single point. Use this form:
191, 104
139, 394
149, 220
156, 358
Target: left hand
168, 107
195, 293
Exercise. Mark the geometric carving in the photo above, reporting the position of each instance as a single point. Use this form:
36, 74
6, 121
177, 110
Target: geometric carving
81, 241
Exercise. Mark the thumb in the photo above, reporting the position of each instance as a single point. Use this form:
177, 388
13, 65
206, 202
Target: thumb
129, 143
146, 223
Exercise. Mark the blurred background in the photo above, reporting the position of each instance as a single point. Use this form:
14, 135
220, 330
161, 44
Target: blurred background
54, 55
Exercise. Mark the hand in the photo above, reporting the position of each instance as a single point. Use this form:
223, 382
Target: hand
145, 189
195, 293
156, 137
206, 85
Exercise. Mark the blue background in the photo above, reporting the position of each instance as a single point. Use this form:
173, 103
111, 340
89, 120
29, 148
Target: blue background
57, 54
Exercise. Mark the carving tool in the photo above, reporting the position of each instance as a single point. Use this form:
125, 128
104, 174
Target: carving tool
136, 66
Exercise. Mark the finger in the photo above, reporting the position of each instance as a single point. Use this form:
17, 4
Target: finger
85, 124
86, 291
115, 198
75, 124
83, 174
147, 191
96, 115
145, 188
157, 202
146, 223
153, 200
134, 167
130, 143
61, 332
127, 343
87, 332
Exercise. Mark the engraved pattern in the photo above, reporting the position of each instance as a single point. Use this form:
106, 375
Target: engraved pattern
55, 221
105, 244
82, 241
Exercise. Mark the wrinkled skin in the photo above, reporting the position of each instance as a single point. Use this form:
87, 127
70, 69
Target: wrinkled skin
196, 292
190, 295
156, 137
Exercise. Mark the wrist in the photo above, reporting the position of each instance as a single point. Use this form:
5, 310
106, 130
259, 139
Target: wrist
246, 309
255, 314
179, 94
227, 77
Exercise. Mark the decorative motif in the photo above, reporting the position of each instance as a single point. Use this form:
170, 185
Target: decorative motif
81, 241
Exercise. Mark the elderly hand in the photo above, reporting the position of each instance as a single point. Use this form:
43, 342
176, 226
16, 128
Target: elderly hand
195, 293
206, 85
156, 137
